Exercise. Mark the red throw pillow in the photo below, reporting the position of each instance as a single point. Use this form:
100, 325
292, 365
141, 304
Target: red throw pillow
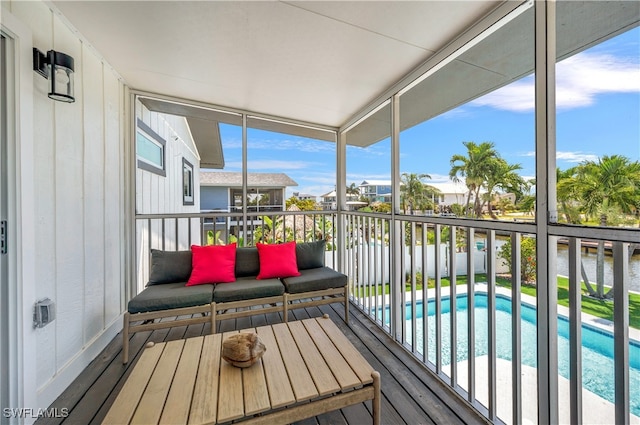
278, 260
212, 264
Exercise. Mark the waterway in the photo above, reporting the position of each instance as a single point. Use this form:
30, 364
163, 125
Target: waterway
589, 262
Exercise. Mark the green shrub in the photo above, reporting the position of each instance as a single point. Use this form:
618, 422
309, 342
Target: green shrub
527, 258
407, 276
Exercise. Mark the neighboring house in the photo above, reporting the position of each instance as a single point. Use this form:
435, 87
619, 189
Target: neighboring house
304, 196
510, 196
456, 193
380, 191
376, 190
221, 191
451, 193
329, 201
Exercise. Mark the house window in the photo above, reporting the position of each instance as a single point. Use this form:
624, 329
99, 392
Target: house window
187, 182
150, 150
383, 190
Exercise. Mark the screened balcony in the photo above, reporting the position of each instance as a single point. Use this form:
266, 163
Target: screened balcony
406, 330
474, 314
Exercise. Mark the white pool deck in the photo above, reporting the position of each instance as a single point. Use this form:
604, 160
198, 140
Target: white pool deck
596, 410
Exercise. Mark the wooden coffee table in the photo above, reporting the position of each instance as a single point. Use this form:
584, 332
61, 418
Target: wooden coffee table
309, 368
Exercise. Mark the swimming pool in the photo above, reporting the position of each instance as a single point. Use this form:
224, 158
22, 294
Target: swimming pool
597, 344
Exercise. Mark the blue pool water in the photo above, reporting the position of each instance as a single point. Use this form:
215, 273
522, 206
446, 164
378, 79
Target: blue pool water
597, 344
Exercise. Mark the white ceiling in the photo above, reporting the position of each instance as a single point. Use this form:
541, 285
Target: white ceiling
314, 61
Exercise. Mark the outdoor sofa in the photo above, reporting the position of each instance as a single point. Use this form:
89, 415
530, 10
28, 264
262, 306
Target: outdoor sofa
167, 296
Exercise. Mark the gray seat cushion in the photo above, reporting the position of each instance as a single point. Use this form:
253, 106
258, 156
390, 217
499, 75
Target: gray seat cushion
314, 280
169, 267
169, 296
247, 288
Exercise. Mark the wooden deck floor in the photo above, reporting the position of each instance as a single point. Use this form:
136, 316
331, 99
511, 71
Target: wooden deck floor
411, 395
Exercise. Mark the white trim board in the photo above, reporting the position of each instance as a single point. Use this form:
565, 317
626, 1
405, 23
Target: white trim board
21, 197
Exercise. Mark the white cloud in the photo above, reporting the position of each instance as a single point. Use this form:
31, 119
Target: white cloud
231, 143
457, 113
518, 96
437, 178
359, 178
579, 79
300, 145
319, 178
316, 190
270, 164
575, 157
371, 151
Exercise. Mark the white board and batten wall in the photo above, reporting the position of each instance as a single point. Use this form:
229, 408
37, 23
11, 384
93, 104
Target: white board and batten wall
163, 194
79, 164
80, 193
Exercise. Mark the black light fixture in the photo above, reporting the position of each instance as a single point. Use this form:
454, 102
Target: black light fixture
58, 68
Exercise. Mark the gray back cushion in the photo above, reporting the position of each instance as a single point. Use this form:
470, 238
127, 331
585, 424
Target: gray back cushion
169, 267
247, 262
310, 255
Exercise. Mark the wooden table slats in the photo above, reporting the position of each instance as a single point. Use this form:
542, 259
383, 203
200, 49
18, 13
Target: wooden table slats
154, 397
204, 406
129, 397
185, 377
325, 382
338, 365
309, 367
256, 394
230, 398
301, 380
356, 360
280, 391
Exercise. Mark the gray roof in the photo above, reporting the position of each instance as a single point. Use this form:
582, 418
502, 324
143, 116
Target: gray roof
234, 179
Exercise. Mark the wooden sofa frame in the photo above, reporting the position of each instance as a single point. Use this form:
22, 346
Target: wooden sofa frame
215, 312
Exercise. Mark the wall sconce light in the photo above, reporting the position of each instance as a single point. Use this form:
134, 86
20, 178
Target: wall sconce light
58, 68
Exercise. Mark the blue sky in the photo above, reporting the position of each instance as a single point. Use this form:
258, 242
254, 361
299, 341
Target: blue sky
598, 113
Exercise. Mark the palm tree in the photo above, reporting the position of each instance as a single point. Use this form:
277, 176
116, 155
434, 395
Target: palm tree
353, 189
611, 181
413, 191
501, 175
566, 195
609, 184
473, 169
527, 202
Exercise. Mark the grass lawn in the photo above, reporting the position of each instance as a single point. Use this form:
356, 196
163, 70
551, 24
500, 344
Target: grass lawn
594, 307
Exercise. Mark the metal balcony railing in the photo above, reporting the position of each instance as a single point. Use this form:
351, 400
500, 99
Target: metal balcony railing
462, 297
477, 302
